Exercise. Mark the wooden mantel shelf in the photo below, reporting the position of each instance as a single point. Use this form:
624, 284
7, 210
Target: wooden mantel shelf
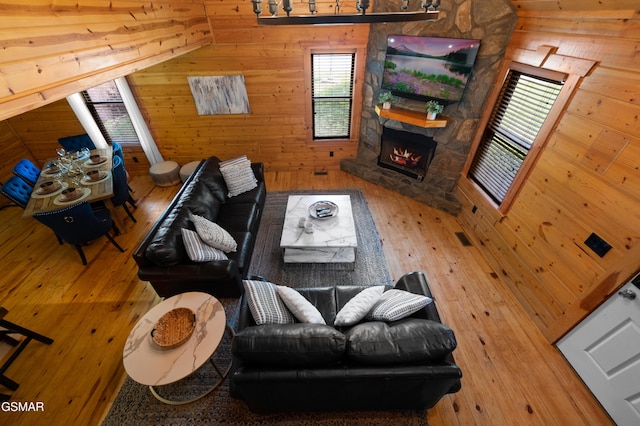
417, 118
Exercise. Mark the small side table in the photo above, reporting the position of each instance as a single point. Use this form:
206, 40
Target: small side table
148, 364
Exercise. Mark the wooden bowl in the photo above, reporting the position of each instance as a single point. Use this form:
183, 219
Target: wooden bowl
174, 328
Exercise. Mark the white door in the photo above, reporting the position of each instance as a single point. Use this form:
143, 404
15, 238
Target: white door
604, 349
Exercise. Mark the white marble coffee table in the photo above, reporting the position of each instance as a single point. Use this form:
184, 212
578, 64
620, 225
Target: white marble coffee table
333, 239
148, 364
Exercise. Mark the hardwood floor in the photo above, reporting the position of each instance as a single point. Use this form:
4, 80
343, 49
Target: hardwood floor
511, 374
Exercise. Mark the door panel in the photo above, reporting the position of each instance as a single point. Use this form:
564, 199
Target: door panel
604, 349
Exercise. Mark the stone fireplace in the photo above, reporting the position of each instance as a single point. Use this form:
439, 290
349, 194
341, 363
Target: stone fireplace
492, 22
406, 153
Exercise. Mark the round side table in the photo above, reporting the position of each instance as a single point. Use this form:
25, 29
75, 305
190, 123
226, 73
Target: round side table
150, 365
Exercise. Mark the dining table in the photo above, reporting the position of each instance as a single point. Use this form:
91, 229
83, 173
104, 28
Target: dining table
73, 171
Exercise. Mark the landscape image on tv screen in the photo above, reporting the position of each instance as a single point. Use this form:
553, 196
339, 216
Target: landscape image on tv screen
428, 67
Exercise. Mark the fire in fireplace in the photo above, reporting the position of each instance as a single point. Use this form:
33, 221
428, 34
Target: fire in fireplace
405, 152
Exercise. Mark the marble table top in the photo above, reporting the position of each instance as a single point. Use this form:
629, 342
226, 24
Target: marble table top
148, 364
332, 240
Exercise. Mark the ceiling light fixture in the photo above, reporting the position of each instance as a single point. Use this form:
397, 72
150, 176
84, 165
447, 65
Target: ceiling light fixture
429, 12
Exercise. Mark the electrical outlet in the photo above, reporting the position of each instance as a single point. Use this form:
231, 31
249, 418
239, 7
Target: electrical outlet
330, 153
597, 244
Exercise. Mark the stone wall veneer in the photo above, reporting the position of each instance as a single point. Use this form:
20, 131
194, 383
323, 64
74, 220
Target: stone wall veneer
491, 21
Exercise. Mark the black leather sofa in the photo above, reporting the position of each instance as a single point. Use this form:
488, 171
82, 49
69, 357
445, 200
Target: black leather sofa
276, 368
161, 256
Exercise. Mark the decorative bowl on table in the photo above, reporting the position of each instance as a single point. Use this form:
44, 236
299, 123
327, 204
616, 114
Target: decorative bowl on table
71, 194
48, 187
95, 175
52, 169
174, 328
323, 209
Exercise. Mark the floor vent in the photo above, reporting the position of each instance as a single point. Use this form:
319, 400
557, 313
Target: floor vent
320, 173
463, 239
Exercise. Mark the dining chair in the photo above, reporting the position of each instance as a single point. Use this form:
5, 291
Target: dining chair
26, 170
117, 151
79, 224
121, 194
17, 190
76, 143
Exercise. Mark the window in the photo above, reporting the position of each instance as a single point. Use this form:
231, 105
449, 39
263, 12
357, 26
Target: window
523, 105
332, 95
108, 110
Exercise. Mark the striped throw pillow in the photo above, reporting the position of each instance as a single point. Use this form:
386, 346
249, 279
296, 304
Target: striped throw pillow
264, 303
397, 304
198, 250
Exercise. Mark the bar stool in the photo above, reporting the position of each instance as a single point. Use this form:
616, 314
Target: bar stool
11, 328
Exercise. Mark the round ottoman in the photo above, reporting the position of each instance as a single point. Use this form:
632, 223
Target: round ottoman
187, 169
165, 173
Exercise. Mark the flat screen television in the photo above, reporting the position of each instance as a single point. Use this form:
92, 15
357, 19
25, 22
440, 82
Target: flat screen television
426, 68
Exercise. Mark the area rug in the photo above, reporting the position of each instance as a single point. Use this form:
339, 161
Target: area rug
135, 405
370, 267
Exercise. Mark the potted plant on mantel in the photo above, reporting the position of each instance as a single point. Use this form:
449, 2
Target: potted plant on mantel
433, 108
385, 99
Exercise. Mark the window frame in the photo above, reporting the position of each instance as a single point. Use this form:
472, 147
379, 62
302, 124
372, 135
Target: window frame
549, 66
93, 107
356, 95
316, 100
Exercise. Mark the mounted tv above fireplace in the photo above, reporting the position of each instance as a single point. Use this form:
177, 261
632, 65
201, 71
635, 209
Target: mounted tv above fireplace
425, 68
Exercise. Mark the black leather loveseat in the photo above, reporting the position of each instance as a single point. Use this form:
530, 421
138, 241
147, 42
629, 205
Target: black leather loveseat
314, 367
161, 256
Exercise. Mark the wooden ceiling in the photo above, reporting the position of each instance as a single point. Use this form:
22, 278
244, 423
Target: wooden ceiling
92, 41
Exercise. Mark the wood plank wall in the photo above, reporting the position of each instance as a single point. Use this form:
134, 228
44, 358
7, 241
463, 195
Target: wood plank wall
272, 61
51, 49
586, 180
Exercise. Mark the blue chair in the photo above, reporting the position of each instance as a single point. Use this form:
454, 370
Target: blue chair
76, 143
28, 171
117, 151
17, 190
78, 225
120, 189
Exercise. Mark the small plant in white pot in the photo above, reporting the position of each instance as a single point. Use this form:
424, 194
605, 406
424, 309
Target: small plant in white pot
385, 99
433, 108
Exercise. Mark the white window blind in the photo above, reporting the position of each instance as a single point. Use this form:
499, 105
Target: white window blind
332, 94
522, 108
108, 110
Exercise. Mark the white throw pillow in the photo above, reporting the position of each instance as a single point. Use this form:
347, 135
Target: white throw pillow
396, 304
299, 306
198, 250
212, 234
238, 175
356, 308
264, 303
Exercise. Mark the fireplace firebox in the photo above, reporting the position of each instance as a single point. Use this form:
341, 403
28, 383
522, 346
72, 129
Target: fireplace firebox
407, 153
